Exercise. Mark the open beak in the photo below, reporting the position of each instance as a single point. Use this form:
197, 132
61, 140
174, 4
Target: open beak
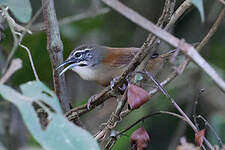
72, 62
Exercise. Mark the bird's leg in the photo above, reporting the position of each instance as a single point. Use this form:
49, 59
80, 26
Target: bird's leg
113, 81
90, 100
120, 89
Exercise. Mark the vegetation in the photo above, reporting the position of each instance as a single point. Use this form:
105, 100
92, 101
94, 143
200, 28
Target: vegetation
177, 105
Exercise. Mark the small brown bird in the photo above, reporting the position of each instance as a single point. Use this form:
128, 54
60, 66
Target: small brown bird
102, 64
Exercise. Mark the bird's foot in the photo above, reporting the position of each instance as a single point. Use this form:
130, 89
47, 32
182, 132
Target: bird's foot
90, 100
113, 81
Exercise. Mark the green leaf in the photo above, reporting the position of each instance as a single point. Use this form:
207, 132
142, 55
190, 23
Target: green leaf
21, 9
199, 5
41, 92
59, 133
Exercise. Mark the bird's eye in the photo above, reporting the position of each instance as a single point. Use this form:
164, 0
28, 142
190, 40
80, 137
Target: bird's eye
154, 55
78, 55
89, 55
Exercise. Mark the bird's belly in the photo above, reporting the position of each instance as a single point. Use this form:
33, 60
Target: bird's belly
101, 75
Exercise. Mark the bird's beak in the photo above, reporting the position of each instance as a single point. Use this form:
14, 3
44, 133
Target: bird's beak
71, 61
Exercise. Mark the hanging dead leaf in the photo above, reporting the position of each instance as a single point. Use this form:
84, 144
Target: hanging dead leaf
199, 137
140, 139
136, 96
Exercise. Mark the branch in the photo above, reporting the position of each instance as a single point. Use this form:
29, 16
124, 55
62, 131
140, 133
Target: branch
31, 60
55, 50
165, 19
113, 138
182, 66
212, 30
18, 33
186, 48
16, 42
211, 128
138, 59
103, 96
148, 116
178, 13
178, 108
70, 19
114, 118
185, 5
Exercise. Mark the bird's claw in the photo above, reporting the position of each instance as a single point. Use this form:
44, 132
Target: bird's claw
90, 100
113, 81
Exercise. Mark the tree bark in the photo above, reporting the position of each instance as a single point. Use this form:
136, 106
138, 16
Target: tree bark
55, 50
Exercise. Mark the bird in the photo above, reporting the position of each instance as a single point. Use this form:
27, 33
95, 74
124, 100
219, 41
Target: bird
102, 63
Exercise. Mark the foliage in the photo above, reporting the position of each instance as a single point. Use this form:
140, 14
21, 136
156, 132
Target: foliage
21, 9
110, 29
59, 133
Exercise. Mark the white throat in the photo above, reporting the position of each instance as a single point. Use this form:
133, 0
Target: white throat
86, 73
98, 73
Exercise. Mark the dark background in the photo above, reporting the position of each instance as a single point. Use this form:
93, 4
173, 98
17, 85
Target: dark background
112, 29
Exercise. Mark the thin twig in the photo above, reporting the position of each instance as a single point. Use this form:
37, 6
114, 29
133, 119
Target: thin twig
114, 118
31, 61
148, 116
212, 30
180, 129
162, 21
182, 66
116, 136
211, 128
178, 13
205, 40
16, 41
150, 41
131, 67
70, 19
16, 29
95, 101
101, 97
186, 48
176, 106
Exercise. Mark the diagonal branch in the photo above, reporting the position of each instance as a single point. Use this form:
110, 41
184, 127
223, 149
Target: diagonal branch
164, 92
101, 97
186, 48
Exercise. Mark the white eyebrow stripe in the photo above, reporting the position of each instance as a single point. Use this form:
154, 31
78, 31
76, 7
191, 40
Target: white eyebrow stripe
86, 49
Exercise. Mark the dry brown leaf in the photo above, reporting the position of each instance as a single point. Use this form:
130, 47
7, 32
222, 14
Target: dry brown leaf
137, 96
199, 137
140, 139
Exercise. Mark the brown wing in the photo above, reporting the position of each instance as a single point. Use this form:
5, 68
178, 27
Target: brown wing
119, 57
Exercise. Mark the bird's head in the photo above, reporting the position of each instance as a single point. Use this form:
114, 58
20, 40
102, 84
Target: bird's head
83, 56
